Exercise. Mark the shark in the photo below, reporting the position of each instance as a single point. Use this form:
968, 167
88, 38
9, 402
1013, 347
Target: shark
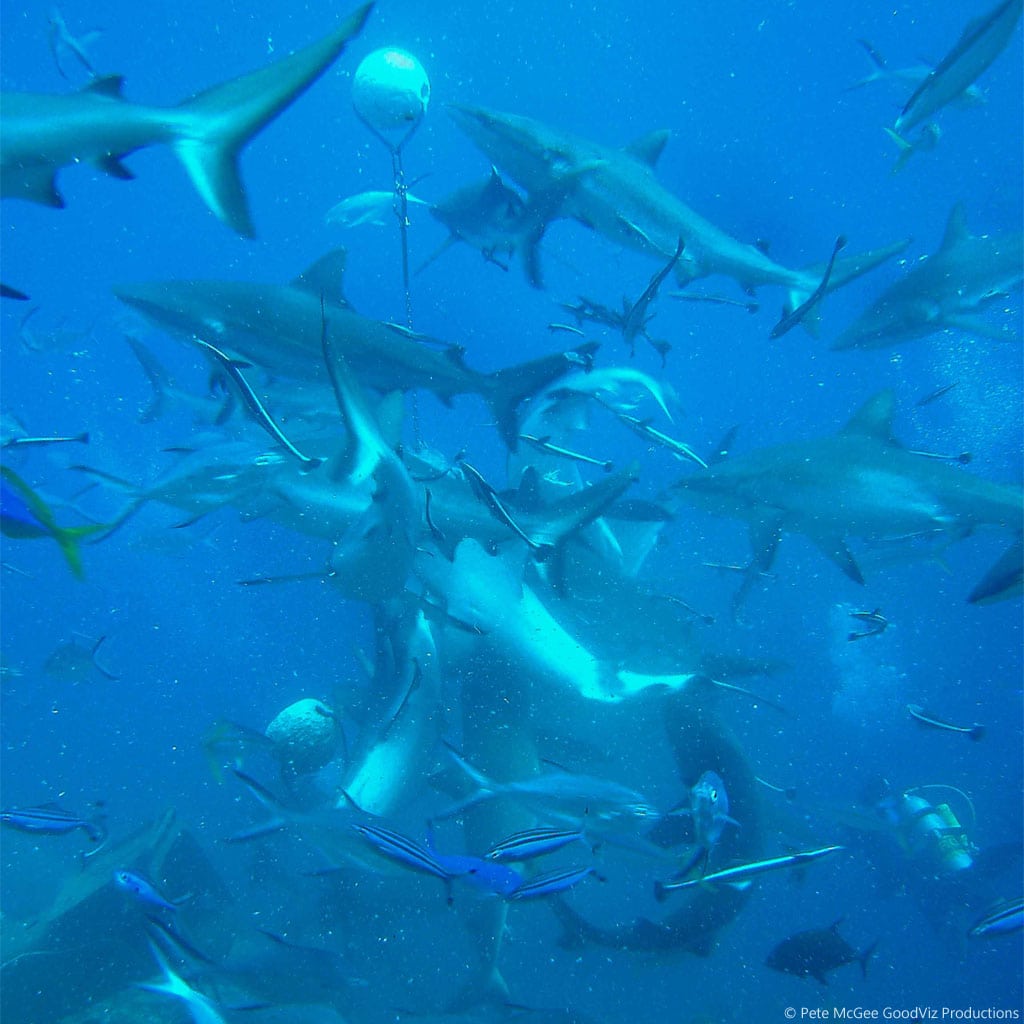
278, 327
952, 289
397, 754
495, 219
617, 193
500, 615
374, 557
983, 40
41, 134
858, 483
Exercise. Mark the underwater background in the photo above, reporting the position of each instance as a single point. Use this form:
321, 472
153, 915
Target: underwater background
768, 142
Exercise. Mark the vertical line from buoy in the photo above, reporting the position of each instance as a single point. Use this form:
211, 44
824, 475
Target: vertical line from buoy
402, 212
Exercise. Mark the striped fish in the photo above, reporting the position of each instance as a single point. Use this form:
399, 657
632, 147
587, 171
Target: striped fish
1002, 919
402, 849
51, 820
550, 883
533, 842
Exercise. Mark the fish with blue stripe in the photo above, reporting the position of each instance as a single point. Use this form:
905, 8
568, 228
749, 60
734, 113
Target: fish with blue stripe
551, 883
52, 820
1002, 919
533, 842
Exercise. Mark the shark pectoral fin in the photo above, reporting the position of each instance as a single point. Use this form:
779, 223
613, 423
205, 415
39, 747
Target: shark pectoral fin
39, 185
530, 251
839, 553
765, 535
112, 165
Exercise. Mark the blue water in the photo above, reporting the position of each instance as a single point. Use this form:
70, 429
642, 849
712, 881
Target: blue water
767, 144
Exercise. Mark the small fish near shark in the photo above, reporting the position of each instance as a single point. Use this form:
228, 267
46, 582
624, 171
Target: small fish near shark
24, 515
814, 953
53, 820
40, 134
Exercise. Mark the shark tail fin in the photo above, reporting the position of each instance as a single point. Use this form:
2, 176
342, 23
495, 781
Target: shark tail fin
844, 270
216, 125
505, 389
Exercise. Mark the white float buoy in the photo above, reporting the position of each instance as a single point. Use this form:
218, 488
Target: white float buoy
390, 92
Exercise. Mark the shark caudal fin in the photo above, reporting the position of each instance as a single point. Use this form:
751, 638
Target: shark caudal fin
844, 270
505, 389
215, 126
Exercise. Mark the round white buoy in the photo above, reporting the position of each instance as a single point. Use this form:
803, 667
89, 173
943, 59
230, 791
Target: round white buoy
390, 92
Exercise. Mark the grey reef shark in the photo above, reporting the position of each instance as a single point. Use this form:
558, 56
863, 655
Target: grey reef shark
953, 289
42, 133
859, 483
278, 328
616, 193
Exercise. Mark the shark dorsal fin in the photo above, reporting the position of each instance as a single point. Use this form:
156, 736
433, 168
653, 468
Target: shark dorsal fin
874, 418
325, 276
111, 86
956, 228
648, 148
527, 497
